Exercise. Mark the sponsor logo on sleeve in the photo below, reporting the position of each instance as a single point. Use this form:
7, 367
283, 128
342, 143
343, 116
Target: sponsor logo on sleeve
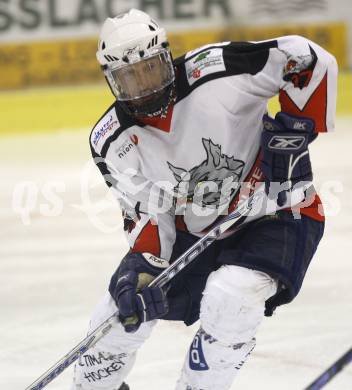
105, 127
205, 63
127, 146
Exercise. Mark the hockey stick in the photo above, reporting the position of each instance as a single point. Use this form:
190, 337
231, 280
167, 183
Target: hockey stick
330, 372
237, 215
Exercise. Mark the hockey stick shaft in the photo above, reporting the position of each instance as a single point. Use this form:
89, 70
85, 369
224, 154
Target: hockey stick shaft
74, 354
330, 372
241, 211
181, 262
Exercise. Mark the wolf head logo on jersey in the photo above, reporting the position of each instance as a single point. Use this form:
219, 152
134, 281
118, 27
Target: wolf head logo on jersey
203, 184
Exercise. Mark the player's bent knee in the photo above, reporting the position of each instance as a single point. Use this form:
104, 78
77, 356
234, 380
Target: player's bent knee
233, 303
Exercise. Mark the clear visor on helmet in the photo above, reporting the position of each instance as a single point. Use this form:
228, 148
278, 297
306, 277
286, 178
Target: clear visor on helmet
141, 76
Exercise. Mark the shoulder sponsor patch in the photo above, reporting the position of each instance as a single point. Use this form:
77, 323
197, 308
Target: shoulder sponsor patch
202, 48
204, 63
103, 129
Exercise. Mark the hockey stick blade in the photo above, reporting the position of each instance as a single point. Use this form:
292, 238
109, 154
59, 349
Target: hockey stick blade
181, 262
330, 372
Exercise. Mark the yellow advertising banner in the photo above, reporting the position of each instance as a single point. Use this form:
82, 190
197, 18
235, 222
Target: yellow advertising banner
72, 62
48, 63
331, 36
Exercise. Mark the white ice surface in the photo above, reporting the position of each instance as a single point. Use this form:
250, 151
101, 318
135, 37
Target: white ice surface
54, 269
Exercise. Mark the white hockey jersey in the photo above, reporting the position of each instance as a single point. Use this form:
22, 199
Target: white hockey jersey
182, 171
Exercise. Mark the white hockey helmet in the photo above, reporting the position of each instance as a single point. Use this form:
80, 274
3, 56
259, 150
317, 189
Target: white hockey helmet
133, 52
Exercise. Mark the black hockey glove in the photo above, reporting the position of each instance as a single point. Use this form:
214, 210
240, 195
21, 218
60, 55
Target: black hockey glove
136, 302
285, 161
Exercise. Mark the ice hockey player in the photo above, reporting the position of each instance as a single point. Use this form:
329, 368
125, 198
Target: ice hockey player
183, 143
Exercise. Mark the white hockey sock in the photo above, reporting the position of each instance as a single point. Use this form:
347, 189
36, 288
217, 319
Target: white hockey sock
101, 370
211, 365
106, 365
232, 309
